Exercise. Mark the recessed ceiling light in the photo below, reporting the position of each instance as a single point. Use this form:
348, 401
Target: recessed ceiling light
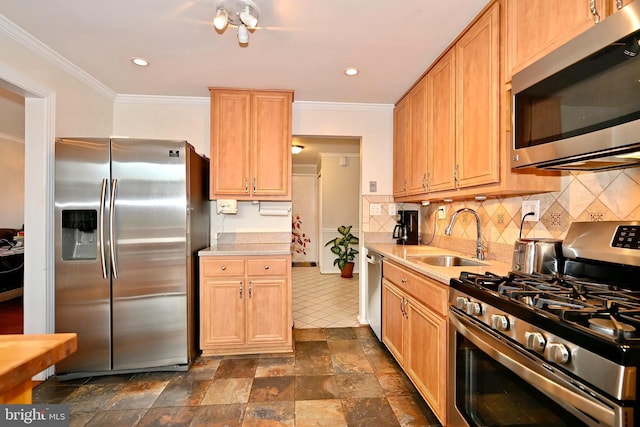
351, 71
140, 61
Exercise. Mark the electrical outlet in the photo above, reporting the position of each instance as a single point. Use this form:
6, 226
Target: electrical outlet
531, 206
375, 209
392, 209
442, 212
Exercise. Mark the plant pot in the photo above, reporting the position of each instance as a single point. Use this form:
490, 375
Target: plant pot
347, 271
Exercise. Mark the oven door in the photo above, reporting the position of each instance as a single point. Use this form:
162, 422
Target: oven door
493, 383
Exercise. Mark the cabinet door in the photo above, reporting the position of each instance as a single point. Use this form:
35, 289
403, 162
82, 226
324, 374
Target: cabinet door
268, 321
401, 153
477, 101
426, 356
536, 27
441, 113
271, 144
393, 319
222, 313
230, 123
417, 173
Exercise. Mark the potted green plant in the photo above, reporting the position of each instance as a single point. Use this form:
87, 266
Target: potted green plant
345, 254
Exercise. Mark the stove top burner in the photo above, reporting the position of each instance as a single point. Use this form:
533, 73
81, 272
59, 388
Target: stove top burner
590, 306
611, 327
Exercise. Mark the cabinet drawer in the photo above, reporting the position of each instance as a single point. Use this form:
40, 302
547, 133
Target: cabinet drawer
426, 291
222, 267
267, 267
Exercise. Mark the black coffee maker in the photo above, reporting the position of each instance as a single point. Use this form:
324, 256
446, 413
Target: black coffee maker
406, 231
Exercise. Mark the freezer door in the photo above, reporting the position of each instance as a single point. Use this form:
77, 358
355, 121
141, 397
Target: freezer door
82, 283
149, 253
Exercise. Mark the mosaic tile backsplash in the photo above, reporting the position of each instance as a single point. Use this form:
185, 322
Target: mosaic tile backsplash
583, 196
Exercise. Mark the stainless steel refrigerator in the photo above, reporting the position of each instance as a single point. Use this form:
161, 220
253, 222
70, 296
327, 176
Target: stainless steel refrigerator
130, 216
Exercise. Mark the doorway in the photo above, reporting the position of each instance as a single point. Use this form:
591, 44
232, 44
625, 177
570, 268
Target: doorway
321, 298
12, 164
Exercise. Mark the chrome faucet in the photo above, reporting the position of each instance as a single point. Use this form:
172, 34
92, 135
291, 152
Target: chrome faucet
479, 245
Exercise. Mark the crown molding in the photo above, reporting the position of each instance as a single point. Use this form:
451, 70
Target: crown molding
166, 100
341, 106
36, 46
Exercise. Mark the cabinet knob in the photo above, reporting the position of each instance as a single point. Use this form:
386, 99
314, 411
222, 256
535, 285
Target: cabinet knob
266, 267
224, 267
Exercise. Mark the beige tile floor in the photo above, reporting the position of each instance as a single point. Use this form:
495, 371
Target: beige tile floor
324, 300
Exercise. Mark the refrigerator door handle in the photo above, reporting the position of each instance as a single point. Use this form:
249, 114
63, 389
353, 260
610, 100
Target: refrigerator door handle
112, 239
103, 193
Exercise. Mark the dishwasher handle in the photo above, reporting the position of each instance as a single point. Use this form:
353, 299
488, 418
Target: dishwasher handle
373, 257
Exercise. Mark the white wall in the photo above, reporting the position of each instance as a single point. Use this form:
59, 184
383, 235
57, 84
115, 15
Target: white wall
339, 202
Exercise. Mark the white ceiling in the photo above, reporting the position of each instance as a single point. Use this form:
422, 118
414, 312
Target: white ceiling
302, 45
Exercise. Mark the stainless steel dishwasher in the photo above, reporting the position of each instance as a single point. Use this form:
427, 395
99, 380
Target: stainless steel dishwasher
374, 291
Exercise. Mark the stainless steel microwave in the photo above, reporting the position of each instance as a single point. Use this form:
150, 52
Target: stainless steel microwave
578, 108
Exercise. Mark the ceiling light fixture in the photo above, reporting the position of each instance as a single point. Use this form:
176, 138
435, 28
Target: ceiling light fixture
296, 149
351, 71
140, 61
221, 20
238, 13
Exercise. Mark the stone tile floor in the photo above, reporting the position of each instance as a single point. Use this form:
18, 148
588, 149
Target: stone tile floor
335, 377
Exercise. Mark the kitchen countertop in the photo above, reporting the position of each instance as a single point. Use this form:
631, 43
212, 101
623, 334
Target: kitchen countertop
23, 356
244, 249
403, 255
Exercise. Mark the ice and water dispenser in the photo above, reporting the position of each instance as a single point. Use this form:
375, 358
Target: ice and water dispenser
79, 234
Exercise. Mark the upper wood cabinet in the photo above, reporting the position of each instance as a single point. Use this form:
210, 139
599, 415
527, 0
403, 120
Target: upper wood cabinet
441, 122
536, 27
468, 121
410, 142
478, 101
250, 144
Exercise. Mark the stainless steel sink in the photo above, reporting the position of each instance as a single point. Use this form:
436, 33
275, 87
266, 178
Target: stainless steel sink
445, 260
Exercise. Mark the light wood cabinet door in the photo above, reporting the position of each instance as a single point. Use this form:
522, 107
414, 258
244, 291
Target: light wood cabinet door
268, 320
222, 312
271, 144
250, 144
230, 133
477, 101
245, 305
401, 152
441, 122
536, 27
393, 319
417, 173
426, 355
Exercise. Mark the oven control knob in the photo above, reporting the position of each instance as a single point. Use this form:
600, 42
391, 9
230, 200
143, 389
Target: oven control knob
499, 322
461, 303
557, 352
474, 309
534, 341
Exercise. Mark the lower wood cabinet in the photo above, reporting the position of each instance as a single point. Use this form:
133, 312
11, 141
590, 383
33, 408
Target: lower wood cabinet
245, 305
414, 329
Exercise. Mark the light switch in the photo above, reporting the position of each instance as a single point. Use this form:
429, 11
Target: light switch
373, 186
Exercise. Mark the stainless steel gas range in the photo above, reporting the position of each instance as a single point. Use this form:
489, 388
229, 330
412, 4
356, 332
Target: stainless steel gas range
551, 350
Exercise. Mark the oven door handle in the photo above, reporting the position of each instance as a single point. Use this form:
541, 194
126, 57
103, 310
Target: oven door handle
541, 376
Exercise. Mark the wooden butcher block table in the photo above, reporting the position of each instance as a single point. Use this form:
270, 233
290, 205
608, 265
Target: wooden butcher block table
23, 356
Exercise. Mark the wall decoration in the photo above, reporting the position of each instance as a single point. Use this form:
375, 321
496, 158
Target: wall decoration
299, 240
